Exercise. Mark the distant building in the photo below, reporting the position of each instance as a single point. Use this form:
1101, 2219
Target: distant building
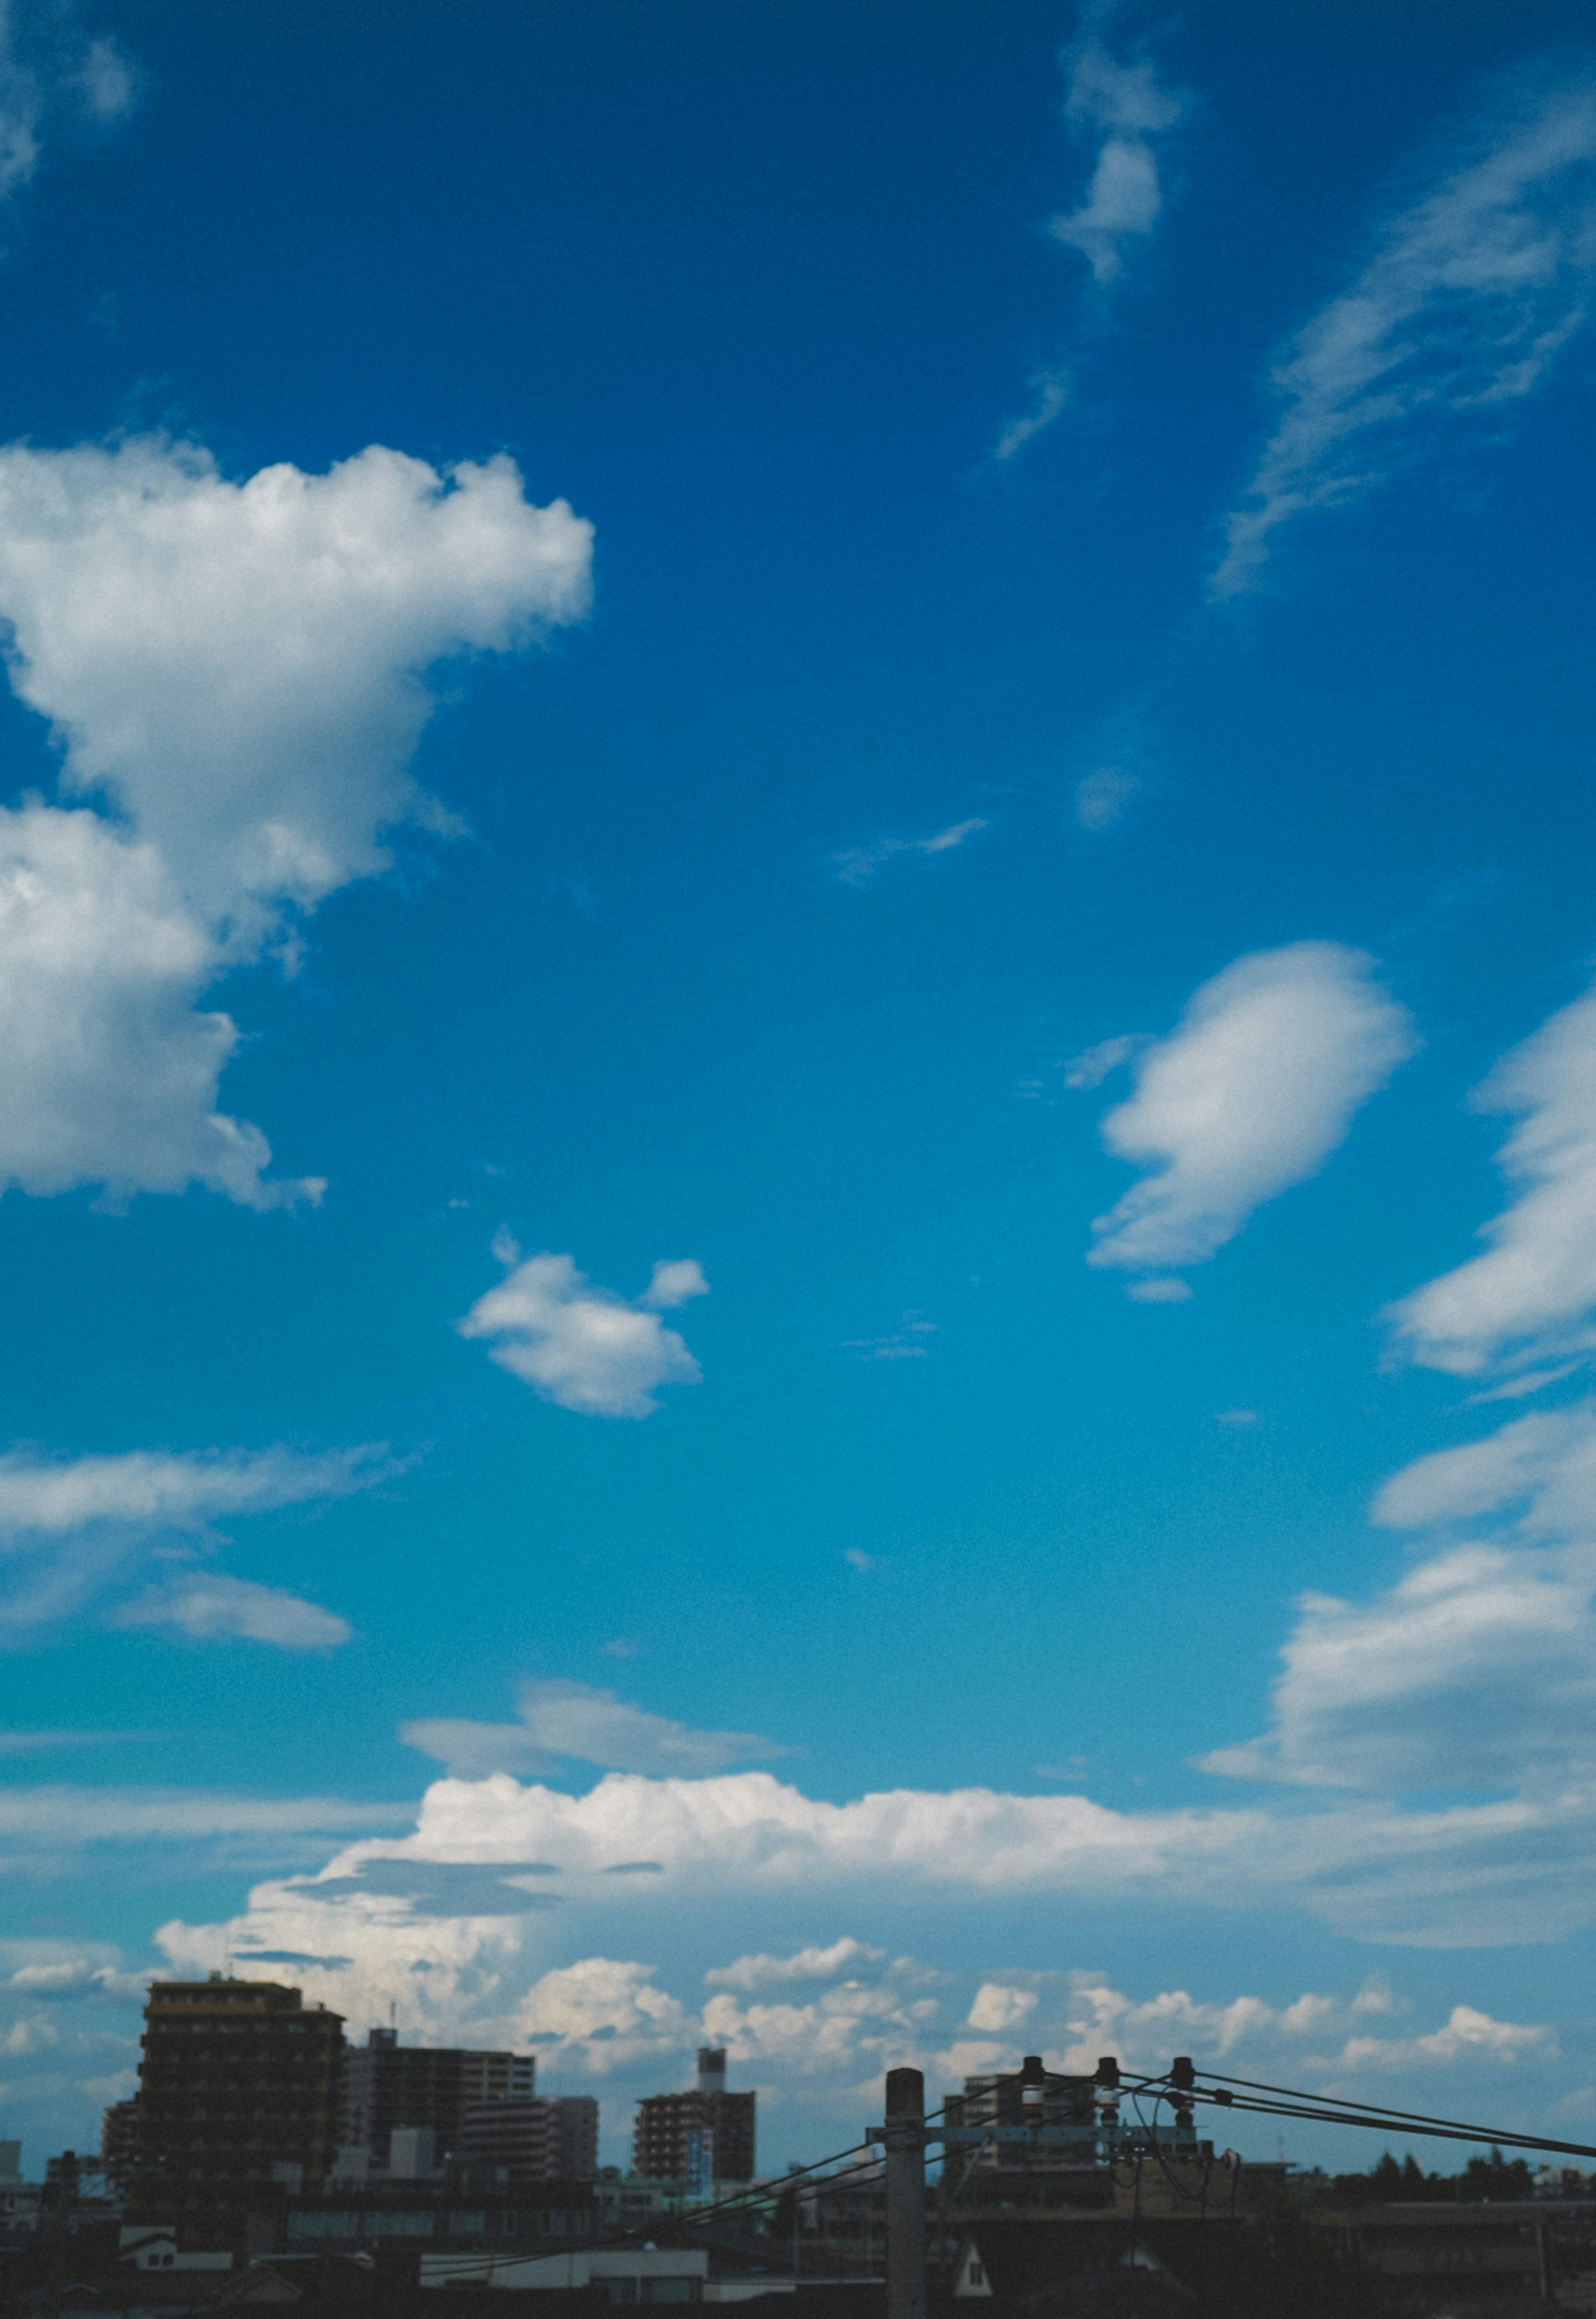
704, 2136
534, 2141
388, 2086
1066, 2103
119, 2141
238, 2091
10, 2161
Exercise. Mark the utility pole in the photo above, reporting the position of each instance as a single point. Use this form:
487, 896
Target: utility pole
905, 2139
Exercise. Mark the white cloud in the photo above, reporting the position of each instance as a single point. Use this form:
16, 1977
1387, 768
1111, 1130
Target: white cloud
1049, 398
1464, 1872
1477, 1670
1251, 1093
1119, 107
70, 1527
859, 865
1468, 2034
608, 2015
1530, 1298
674, 1284
602, 2014
749, 1973
997, 2007
1472, 288
573, 1721
239, 664
237, 669
581, 1347
216, 1605
107, 1073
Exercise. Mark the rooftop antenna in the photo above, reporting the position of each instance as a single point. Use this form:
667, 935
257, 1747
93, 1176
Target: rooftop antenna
392, 2012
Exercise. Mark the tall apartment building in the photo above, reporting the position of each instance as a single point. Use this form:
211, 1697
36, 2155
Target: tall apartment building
706, 2133
537, 2141
387, 2085
238, 2089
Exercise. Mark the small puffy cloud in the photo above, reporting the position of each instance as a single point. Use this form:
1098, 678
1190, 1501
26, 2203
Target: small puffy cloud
1469, 2035
1251, 1093
580, 1346
602, 2015
997, 2007
215, 1605
749, 1973
574, 1722
70, 1528
1531, 1297
674, 1284
238, 669
1474, 288
1102, 2018
859, 865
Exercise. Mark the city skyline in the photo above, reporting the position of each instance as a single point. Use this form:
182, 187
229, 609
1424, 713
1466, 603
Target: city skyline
795, 1034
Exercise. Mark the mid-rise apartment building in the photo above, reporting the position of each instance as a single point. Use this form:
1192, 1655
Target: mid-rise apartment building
387, 2085
237, 2090
536, 2140
703, 2135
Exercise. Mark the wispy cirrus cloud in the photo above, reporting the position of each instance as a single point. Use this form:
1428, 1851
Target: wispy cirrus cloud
1117, 107
858, 864
1252, 1092
50, 69
565, 1722
1474, 284
581, 1347
72, 1531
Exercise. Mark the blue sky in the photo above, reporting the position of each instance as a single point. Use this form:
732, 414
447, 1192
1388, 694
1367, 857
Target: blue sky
796, 1037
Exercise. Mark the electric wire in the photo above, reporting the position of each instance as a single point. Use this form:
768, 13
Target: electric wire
673, 2226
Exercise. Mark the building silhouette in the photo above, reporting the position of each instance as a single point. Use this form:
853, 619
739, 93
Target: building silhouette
238, 2091
389, 2087
536, 2140
705, 2136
